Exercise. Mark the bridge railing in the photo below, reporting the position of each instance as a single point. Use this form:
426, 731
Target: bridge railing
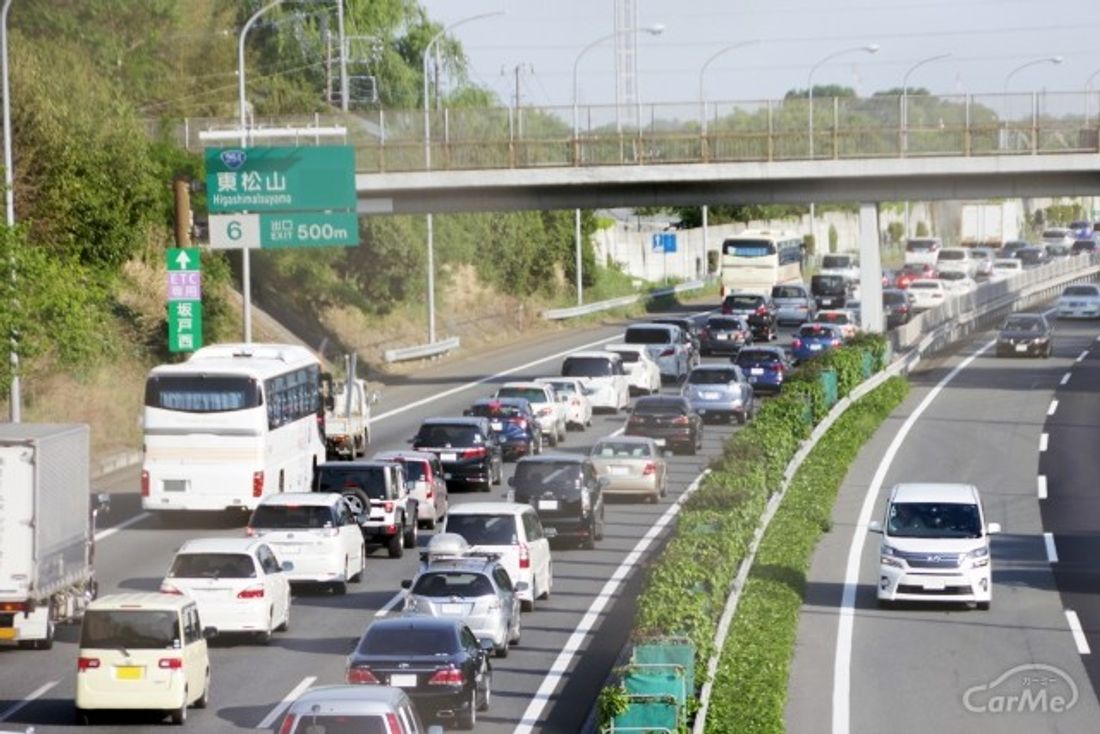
885, 126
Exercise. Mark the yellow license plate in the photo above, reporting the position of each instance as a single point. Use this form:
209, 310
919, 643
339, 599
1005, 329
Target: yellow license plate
7, 633
129, 672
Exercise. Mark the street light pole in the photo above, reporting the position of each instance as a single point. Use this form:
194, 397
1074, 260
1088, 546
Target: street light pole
343, 56
246, 261
15, 406
1088, 93
654, 30
905, 114
428, 164
1034, 62
871, 48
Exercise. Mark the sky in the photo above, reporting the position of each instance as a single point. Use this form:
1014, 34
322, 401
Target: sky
987, 40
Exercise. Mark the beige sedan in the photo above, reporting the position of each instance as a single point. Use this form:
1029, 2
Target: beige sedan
631, 465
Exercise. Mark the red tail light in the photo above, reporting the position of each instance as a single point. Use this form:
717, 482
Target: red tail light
144, 483
428, 476
524, 556
169, 589
668, 352
83, 664
252, 592
776, 366
650, 468
796, 343
257, 484
170, 663
447, 677
761, 310
393, 726
387, 506
835, 342
680, 420
12, 606
288, 724
479, 453
430, 493
361, 676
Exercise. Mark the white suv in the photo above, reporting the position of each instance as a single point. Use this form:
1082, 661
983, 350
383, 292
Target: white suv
514, 531
550, 412
935, 545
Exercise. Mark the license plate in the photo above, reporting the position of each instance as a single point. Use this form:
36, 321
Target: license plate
128, 672
815, 347
548, 504
453, 608
756, 370
710, 396
723, 336
7, 633
175, 485
448, 457
934, 585
620, 470
1021, 347
448, 476
399, 680
659, 441
496, 425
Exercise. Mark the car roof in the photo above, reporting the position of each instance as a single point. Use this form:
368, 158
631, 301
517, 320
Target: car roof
934, 492
927, 283
313, 499
488, 508
639, 348
222, 545
359, 463
650, 326
595, 354
523, 383
471, 563
553, 458
475, 421
778, 351
627, 439
140, 600
712, 367
403, 456
516, 402
412, 622
350, 698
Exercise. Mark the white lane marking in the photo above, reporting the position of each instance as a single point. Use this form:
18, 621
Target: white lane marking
561, 664
1042, 486
1052, 552
1078, 632
1082, 355
1053, 407
104, 534
1044, 441
505, 373
842, 681
390, 604
288, 699
35, 694
1065, 378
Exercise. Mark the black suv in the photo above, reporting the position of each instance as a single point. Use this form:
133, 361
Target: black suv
829, 291
566, 494
759, 310
467, 448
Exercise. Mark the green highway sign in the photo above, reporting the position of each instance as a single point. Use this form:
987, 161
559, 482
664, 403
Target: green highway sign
279, 179
292, 229
184, 299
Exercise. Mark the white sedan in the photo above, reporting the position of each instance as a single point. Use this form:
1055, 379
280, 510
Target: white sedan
1006, 267
957, 282
642, 373
927, 293
1079, 301
237, 583
841, 318
572, 394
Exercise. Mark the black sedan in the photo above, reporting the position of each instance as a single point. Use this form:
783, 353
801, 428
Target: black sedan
669, 420
437, 661
1025, 335
513, 422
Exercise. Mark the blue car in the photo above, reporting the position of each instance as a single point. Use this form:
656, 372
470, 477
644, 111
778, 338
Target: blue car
514, 424
813, 340
765, 367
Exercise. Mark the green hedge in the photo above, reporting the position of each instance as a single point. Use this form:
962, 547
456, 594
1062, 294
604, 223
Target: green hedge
688, 584
750, 689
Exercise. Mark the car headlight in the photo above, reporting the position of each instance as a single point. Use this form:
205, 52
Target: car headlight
979, 557
889, 556
586, 501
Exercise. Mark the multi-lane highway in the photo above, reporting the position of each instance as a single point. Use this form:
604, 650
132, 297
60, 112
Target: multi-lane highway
1024, 431
547, 684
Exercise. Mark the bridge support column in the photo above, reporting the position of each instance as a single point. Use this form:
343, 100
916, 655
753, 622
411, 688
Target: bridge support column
870, 269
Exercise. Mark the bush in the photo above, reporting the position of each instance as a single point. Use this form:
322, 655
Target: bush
833, 238
922, 229
895, 231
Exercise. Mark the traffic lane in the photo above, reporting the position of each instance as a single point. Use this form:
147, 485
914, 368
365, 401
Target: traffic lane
985, 442
985, 431
148, 549
1071, 512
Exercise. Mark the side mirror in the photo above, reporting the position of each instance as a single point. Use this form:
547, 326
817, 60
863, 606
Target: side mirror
406, 583
411, 440
993, 528
522, 586
209, 633
286, 566
486, 645
512, 482
875, 526
550, 533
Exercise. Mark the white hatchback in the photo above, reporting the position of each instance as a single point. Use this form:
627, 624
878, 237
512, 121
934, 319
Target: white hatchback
642, 373
317, 532
571, 392
512, 530
237, 583
1006, 267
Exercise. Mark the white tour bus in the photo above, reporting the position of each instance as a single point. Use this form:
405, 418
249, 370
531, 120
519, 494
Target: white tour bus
756, 260
231, 425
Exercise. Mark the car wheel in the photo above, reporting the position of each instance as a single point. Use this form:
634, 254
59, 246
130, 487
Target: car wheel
84, 717
499, 478
467, 718
601, 526
411, 534
742, 417
356, 500
285, 625
519, 632
204, 699
179, 716
394, 546
487, 695
589, 541
264, 637
502, 650
553, 439
984, 606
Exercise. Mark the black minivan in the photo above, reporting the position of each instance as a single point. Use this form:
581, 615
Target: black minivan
566, 494
830, 291
467, 448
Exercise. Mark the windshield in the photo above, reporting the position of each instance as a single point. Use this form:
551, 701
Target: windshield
712, 377
1022, 324
952, 255
833, 317
442, 435
532, 478
530, 394
748, 248
727, 324
934, 520
921, 245
647, 336
621, 450
836, 261
133, 629
893, 298
747, 356
1054, 234
497, 410
952, 275
564, 386
484, 529
659, 407
453, 583
412, 642
629, 355
817, 331
371, 480
202, 393
586, 367
827, 284
788, 291
1080, 290
920, 285
213, 566
744, 303
291, 516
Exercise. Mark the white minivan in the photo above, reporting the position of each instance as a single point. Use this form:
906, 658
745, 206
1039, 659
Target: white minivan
604, 378
513, 530
142, 651
935, 545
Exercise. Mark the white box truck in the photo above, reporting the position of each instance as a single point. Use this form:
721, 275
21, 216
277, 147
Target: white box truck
47, 530
347, 414
990, 225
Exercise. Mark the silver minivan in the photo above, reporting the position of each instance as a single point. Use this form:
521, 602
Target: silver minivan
665, 344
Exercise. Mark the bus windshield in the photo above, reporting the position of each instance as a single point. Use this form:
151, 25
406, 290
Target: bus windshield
202, 393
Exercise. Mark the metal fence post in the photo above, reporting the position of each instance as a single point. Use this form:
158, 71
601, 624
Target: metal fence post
381, 139
447, 136
511, 139
966, 127
836, 127
771, 132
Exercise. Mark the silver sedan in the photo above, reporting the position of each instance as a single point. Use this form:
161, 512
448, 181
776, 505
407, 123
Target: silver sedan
632, 465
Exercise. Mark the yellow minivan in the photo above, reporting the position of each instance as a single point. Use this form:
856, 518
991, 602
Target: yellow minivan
142, 651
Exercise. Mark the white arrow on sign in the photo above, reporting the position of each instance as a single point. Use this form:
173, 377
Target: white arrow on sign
183, 260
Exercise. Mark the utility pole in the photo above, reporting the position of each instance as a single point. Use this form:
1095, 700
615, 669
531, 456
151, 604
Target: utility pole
328, 59
182, 188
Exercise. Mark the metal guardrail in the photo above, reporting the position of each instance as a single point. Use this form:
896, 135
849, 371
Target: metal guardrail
556, 314
419, 352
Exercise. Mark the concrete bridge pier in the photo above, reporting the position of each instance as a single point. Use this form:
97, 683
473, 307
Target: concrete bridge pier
870, 270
